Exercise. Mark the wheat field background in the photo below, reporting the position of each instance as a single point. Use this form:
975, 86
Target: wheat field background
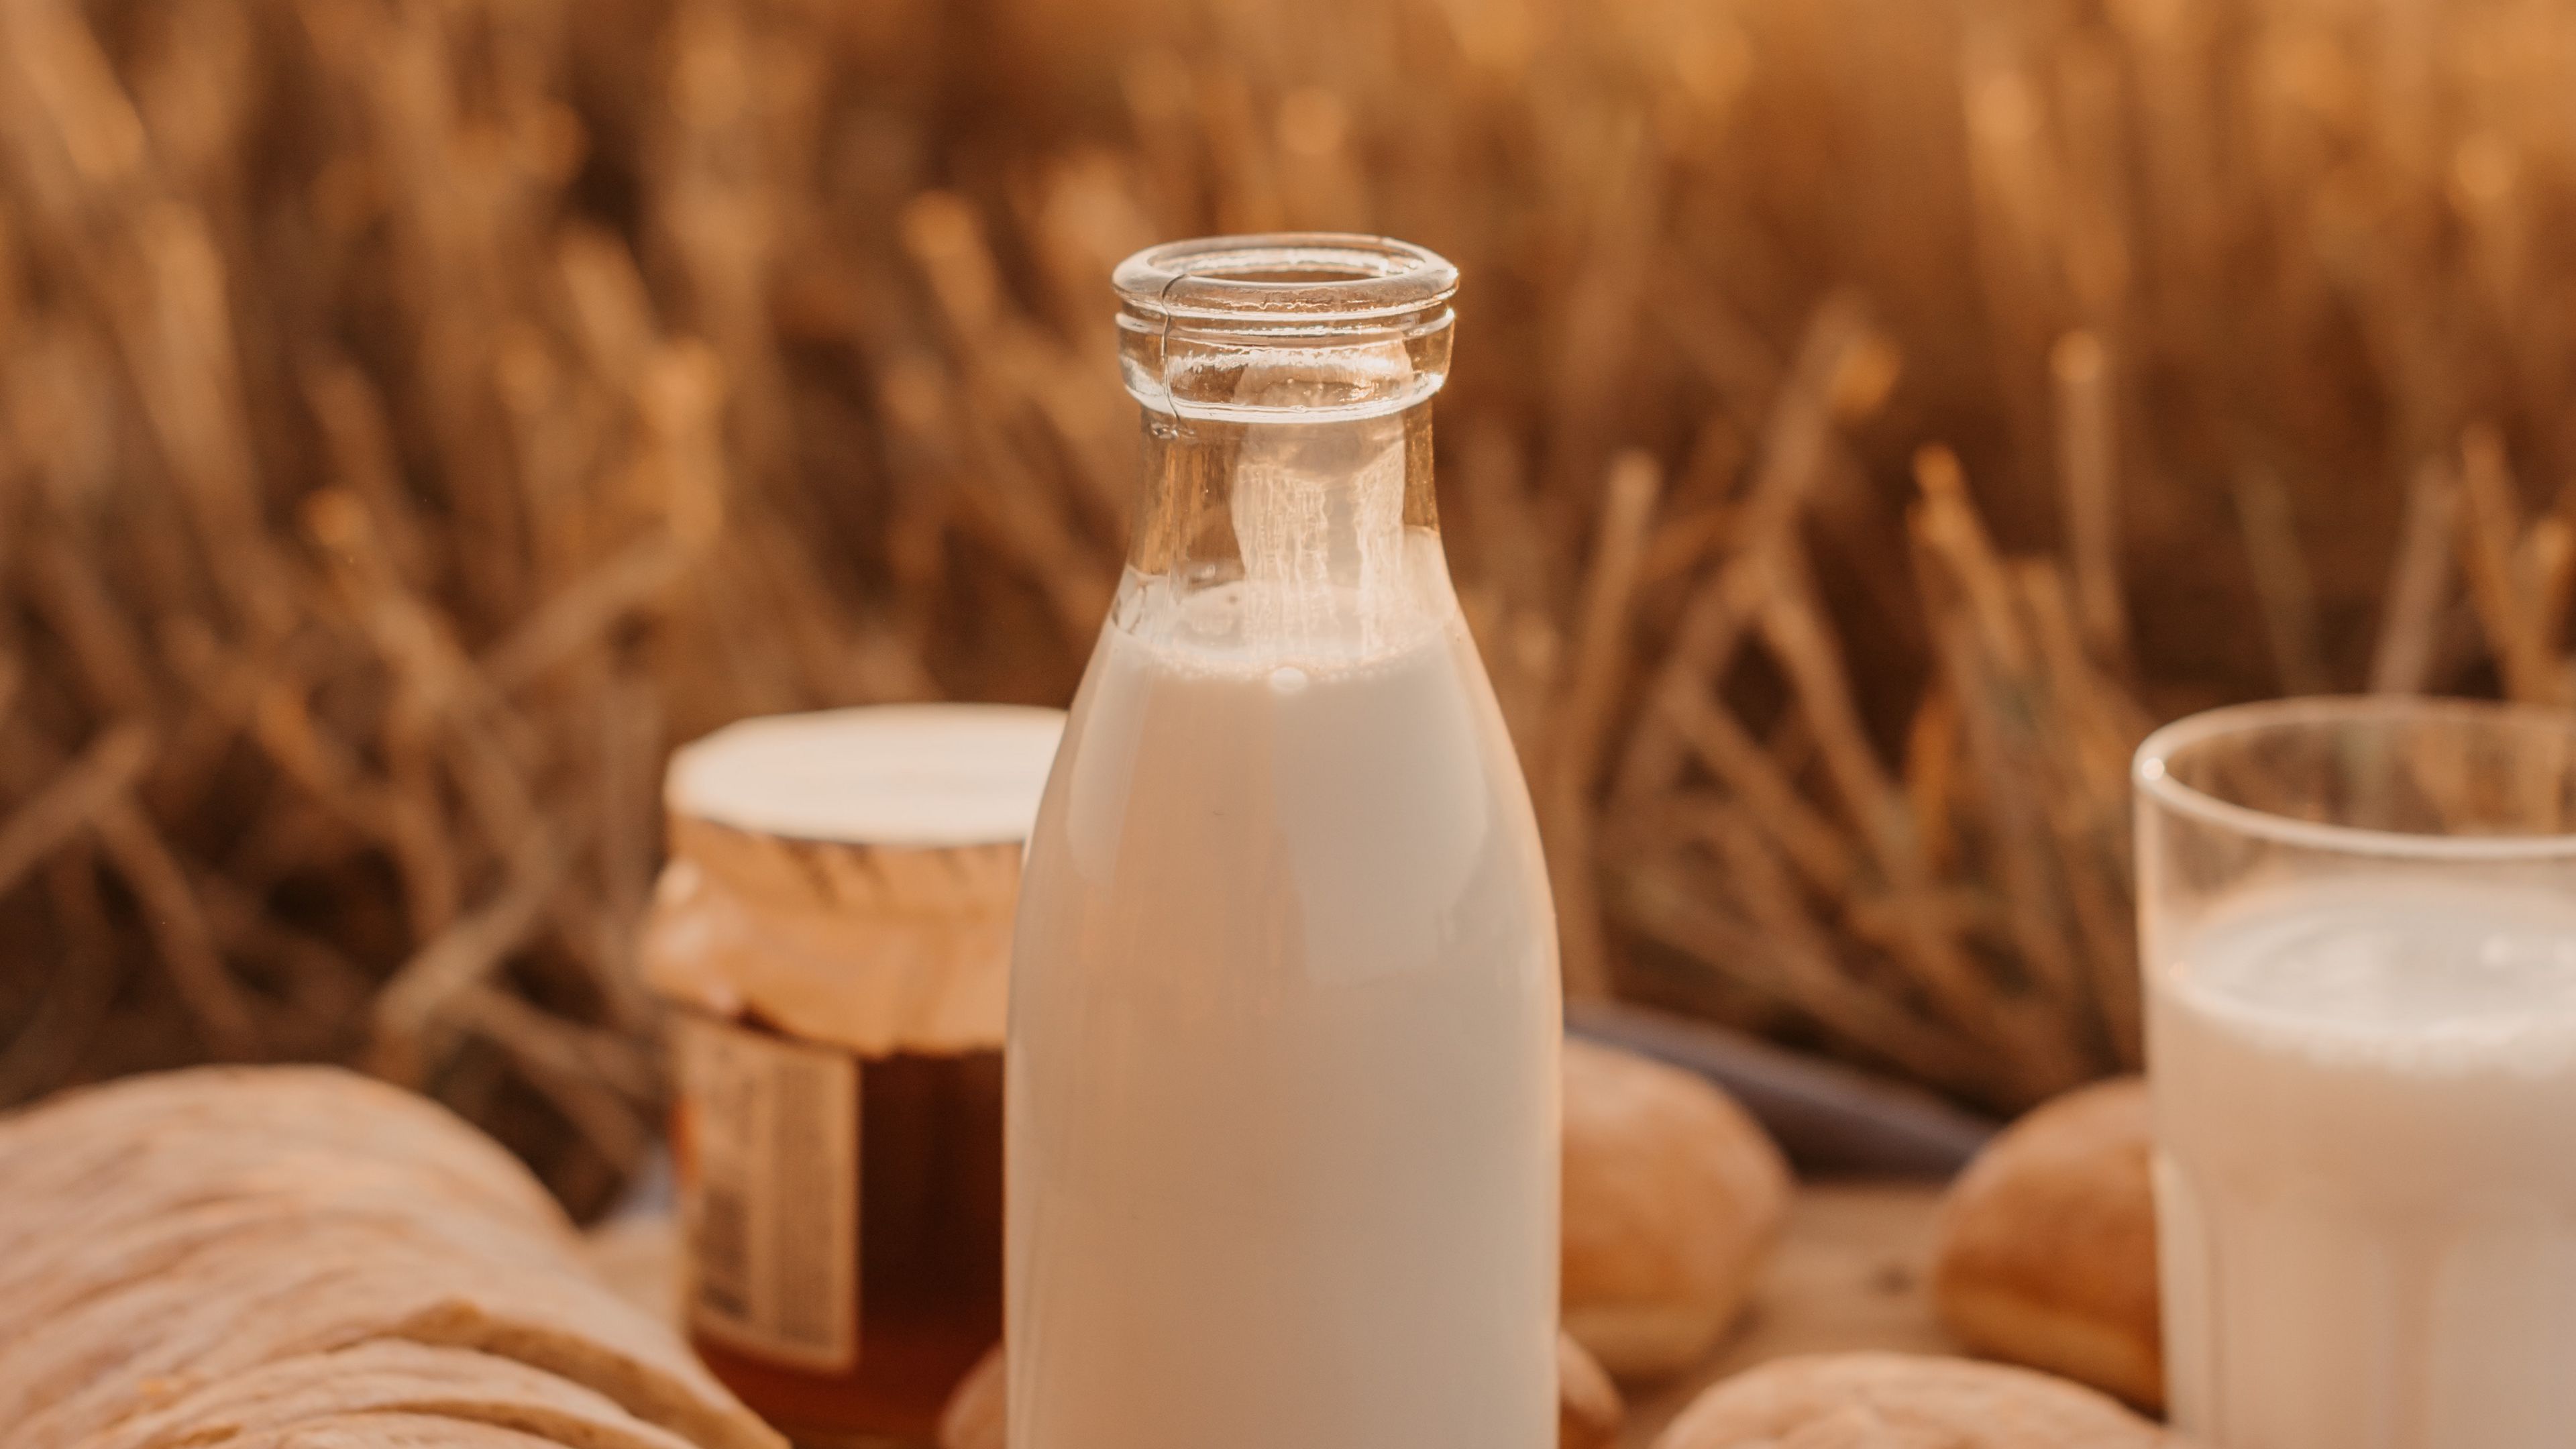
1870, 416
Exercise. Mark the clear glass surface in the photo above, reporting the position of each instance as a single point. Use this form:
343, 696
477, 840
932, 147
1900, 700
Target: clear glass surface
2358, 921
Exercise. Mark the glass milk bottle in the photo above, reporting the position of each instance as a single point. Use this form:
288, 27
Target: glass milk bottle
1282, 1084
2359, 926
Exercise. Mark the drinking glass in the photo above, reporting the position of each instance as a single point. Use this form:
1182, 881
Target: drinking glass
2358, 928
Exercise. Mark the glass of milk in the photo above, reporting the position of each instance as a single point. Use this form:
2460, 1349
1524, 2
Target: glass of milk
1281, 1093
2358, 920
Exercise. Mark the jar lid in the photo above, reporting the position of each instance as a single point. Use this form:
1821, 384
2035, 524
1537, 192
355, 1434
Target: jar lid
848, 876
919, 775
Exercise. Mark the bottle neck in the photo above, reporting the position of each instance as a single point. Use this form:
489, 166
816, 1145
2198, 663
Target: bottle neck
1308, 537
1280, 502
1286, 384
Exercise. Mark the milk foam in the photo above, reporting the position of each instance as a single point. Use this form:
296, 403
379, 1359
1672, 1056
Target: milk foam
2444, 977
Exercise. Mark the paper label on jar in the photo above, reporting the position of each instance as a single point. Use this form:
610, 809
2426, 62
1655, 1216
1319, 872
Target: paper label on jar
767, 1148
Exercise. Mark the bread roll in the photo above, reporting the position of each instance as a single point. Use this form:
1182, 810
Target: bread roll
2048, 1245
973, 1418
1903, 1401
1588, 1409
1673, 1197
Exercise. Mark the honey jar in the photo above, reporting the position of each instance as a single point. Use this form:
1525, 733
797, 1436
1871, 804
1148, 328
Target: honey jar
833, 936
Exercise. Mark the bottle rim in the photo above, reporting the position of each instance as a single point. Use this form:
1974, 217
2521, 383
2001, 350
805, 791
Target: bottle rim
1300, 279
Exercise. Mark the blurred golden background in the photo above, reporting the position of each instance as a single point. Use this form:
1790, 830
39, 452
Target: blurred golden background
1870, 416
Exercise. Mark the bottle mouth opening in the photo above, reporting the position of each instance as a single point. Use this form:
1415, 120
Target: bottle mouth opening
1299, 279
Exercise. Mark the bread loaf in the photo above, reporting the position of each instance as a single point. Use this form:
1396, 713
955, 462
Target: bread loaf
378, 1379
222, 1255
99, 1147
388, 1431
1903, 1401
2048, 1245
1673, 1197
259, 1300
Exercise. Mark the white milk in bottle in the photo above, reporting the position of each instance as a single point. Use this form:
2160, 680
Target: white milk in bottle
2366, 1103
1282, 1064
